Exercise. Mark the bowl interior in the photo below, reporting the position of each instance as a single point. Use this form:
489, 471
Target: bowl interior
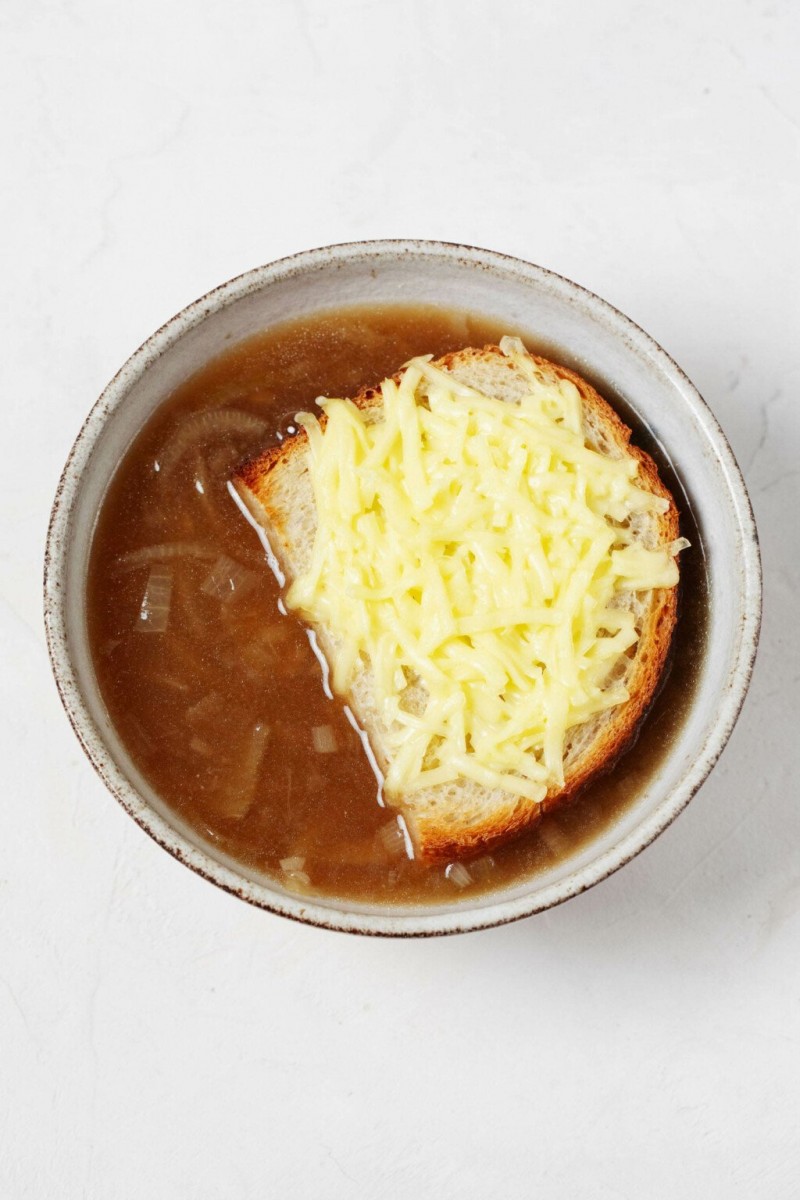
587, 334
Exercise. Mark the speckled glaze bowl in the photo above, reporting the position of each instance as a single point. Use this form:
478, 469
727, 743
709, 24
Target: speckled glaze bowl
525, 297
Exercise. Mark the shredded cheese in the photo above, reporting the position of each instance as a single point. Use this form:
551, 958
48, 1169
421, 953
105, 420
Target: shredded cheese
472, 552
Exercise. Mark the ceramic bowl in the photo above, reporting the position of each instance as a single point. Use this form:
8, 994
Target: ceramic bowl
597, 338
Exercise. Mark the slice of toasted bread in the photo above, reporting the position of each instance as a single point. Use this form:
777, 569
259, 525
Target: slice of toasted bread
459, 819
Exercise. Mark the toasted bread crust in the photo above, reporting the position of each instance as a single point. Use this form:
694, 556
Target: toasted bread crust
440, 840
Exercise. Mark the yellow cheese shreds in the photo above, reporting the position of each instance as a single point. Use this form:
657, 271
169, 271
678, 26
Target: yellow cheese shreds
472, 552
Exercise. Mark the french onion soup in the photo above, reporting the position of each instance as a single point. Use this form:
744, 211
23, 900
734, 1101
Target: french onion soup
235, 695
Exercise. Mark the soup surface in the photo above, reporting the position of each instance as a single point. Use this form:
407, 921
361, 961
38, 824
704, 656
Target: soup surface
218, 695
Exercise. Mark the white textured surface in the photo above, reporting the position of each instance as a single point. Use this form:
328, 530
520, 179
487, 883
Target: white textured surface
158, 1037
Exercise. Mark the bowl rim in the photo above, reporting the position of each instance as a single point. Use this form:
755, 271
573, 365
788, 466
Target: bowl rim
343, 915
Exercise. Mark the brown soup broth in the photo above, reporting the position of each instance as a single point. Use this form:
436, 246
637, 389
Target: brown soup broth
223, 710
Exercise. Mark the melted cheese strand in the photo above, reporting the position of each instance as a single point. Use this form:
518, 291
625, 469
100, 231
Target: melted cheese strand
471, 551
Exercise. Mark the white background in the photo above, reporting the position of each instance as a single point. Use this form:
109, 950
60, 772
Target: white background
161, 1039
